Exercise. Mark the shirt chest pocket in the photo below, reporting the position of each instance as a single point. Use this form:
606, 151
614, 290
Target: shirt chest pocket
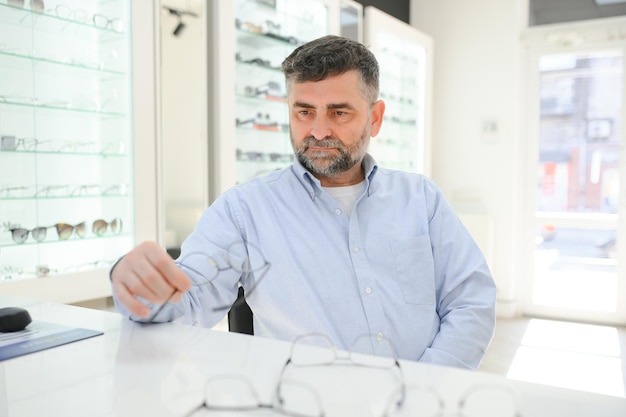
415, 271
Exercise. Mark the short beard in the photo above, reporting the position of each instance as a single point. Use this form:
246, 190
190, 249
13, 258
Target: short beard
331, 167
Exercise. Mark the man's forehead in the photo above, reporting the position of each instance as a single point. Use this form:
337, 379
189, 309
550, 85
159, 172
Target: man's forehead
333, 92
323, 105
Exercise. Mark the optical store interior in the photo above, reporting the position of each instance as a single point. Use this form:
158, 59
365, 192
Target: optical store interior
122, 120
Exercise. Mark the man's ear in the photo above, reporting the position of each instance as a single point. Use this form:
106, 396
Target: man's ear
378, 111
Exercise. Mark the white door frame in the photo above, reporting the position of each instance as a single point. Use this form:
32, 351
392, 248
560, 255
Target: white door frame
563, 38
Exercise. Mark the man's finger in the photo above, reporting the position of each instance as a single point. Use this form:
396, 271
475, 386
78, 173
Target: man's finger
133, 305
167, 268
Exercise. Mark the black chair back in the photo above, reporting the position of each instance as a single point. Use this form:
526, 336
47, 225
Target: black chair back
240, 315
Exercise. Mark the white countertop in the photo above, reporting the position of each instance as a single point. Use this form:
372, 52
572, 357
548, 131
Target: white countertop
161, 370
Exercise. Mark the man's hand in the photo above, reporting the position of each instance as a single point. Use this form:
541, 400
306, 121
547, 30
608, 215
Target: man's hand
150, 273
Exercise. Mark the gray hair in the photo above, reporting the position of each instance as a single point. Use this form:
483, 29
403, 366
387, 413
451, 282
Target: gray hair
331, 56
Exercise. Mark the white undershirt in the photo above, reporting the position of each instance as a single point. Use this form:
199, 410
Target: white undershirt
346, 196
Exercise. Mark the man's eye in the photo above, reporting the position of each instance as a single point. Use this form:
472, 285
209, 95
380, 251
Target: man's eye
341, 114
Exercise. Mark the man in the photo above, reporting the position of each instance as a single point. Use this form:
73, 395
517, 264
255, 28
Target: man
348, 248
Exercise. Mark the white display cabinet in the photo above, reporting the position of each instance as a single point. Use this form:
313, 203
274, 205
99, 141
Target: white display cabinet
265, 33
405, 56
249, 121
68, 175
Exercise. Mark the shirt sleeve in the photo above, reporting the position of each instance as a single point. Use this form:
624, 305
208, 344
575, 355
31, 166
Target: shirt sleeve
198, 305
466, 294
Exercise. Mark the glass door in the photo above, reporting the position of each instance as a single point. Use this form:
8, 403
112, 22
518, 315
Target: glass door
577, 184
405, 58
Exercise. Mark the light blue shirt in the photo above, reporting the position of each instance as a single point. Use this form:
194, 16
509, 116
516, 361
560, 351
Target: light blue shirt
401, 266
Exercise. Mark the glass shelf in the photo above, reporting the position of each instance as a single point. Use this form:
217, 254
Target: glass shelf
10, 144
53, 20
256, 100
67, 197
64, 106
24, 61
55, 240
262, 40
94, 154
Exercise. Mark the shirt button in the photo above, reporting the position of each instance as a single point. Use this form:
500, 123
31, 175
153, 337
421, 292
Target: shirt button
338, 212
380, 337
368, 290
355, 249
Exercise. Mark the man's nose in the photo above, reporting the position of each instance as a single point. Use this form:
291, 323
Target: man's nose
321, 128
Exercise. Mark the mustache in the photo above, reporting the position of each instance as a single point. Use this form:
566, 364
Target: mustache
325, 143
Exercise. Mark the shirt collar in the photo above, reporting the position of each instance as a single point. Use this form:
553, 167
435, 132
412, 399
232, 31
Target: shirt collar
313, 186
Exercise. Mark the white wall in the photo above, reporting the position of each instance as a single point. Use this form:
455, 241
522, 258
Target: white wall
184, 119
476, 126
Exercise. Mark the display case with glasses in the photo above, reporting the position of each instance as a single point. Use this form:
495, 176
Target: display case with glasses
266, 32
259, 34
66, 162
405, 58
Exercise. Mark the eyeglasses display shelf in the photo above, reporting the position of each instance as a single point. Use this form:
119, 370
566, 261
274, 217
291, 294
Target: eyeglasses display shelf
66, 145
265, 33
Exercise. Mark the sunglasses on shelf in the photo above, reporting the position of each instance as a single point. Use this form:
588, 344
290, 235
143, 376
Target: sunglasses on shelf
65, 230
20, 235
100, 226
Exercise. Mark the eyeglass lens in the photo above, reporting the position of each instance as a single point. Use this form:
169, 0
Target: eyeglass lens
9, 143
65, 230
488, 401
100, 226
236, 393
37, 5
230, 392
417, 402
244, 257
65, 12
241, 257
104, 22
20, 235
480, 401
12, 143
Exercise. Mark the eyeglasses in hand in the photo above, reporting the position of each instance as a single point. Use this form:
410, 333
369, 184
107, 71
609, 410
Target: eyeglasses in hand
242, 257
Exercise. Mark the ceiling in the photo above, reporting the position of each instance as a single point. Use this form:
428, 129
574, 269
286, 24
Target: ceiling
544, 12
